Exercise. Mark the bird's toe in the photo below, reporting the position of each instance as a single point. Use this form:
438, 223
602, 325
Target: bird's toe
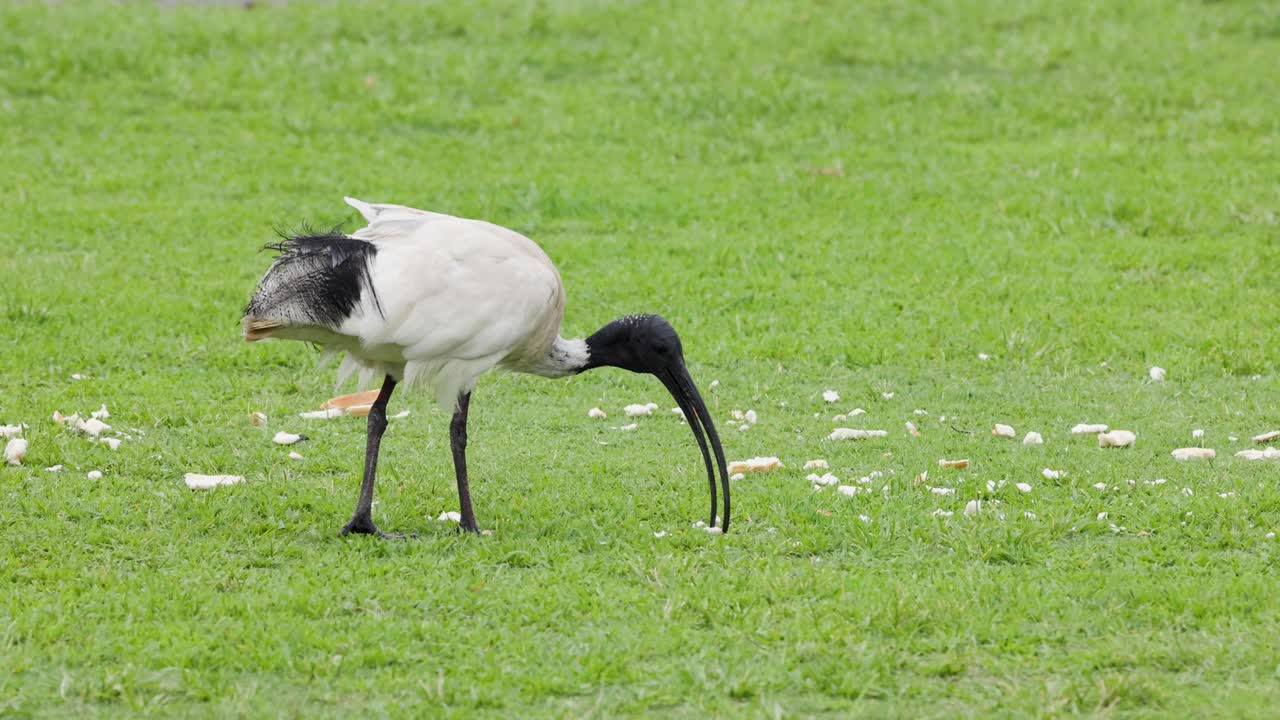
366, 527
360, 526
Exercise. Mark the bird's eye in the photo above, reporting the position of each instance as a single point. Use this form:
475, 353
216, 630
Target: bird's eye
660, 349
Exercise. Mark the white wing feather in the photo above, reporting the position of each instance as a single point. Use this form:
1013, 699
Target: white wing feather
372, 211
456, 297
388, 222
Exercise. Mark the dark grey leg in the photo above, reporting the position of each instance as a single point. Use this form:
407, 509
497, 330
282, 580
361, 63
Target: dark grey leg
458, 440
362, 520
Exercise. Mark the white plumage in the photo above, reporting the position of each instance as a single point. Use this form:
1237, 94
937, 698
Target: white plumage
453, 298
436, 300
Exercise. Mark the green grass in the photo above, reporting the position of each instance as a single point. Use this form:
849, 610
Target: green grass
856, 196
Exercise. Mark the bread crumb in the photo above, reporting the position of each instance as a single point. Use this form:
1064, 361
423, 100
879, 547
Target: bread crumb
15, 451
326, 414
852, 434
1116, 439
92, 427
196, 481
755, 464
637, 410
344, 402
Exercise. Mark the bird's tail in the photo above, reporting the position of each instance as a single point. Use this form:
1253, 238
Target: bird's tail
316, 282
256, 328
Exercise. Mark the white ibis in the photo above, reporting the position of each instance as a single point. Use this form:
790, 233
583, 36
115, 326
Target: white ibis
430, 299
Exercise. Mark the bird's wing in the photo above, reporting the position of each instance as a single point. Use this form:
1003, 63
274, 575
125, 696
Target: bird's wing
457, 297
460, 287
389, 222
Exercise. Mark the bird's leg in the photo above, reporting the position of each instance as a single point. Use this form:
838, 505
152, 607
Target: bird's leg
458, 440
362, 520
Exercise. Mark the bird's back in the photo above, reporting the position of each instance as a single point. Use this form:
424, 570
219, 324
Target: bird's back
424, 297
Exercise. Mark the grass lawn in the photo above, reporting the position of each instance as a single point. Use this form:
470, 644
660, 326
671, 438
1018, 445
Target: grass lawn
855, 196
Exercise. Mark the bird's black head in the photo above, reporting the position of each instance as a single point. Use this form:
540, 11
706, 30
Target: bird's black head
639, 343
648, 344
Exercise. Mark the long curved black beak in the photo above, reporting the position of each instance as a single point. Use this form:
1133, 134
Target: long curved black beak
676, 378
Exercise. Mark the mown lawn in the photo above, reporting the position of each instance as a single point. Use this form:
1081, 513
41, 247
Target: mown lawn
856, 196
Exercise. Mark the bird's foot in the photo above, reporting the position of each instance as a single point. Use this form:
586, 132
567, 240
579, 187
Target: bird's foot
365, 526
467, 523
